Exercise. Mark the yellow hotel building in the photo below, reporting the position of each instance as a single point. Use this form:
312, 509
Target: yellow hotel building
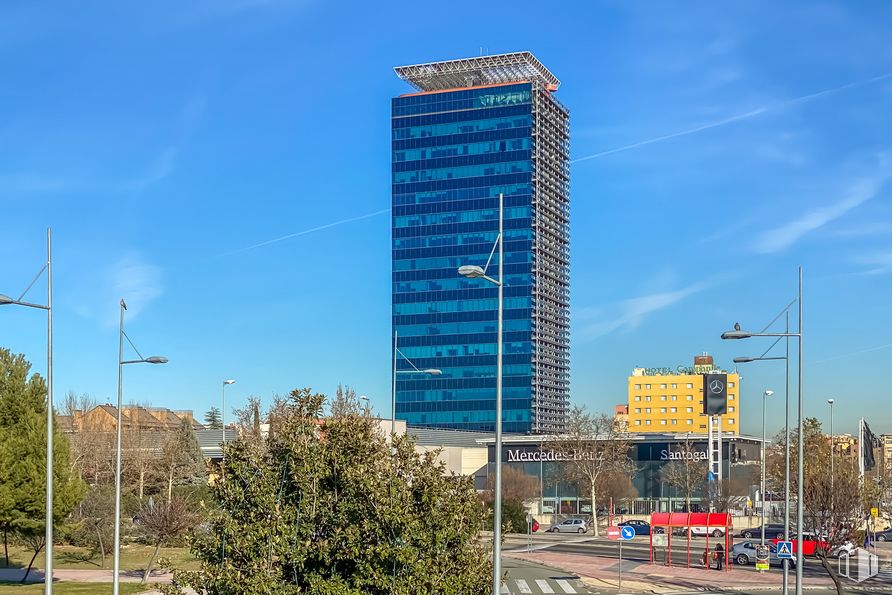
671, 401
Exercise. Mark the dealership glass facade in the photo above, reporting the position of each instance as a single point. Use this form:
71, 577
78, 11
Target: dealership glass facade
454, 152
651, 490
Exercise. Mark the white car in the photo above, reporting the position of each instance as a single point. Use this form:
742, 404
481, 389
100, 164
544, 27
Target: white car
569, 526
703, 531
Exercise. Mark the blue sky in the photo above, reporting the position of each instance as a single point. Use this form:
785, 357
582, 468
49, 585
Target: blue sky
716, 147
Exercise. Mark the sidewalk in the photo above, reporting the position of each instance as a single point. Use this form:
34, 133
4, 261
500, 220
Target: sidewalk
82, 576
599, 571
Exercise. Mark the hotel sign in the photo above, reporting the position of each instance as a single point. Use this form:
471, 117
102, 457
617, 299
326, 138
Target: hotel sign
685, 370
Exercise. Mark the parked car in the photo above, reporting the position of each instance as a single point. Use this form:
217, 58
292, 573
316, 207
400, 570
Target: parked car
885, 535
772, 531
744, 553
703, 531
641, 527
569, 526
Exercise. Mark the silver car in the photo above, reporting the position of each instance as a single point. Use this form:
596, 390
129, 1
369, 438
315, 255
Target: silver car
744, 553
569, 526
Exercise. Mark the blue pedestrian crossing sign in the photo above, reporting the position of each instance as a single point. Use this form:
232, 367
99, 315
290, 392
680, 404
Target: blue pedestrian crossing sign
627, 532
785, 550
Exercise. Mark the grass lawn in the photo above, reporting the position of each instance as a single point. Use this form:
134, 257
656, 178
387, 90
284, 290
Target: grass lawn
133, 557
73, 588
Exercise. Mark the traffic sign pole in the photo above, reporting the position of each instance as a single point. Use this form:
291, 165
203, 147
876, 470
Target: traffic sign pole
620, 585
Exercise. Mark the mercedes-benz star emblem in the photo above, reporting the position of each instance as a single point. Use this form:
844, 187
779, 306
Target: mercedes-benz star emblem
716, 386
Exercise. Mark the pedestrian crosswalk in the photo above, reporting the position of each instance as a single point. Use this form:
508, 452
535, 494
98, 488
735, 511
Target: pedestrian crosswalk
519, 586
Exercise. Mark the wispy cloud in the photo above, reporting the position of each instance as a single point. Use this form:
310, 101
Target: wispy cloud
865, 229
304, 232
784, 236
879, 263
629, 314
850, 354
131, 277
796, 101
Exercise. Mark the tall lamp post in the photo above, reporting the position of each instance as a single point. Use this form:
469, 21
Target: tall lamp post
223, 424
414, 370
765, 396
832, 446
4, 301
786, 358
155, 359
476, 272
737, 333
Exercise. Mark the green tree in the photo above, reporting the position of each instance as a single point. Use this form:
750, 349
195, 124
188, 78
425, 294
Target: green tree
212, 419
23, 455
326, 506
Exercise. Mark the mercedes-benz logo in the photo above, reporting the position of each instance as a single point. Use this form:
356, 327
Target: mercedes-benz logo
716, 386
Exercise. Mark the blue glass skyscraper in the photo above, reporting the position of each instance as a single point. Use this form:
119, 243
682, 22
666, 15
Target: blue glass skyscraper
475, 129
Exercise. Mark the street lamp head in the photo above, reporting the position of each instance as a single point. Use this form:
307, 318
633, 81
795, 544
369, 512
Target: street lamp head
768, 393
5, 299
433, 371
231, 381
743, 360
472, 271
830, 401
156, 359
736, 334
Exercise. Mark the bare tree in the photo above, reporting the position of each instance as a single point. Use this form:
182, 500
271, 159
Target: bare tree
180, 459
163, 523
96, 513
593, 447
92, 444
345, 402
687, 473
517, 486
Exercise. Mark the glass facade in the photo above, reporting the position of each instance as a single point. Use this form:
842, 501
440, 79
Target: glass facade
454, 152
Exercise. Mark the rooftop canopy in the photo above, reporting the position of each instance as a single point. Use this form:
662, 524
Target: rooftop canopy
476, 72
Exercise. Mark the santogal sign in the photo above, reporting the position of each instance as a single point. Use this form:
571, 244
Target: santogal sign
669, 455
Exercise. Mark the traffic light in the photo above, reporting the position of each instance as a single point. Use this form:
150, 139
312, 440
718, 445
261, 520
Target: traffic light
715, 394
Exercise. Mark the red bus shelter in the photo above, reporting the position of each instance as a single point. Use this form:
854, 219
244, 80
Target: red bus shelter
712, 523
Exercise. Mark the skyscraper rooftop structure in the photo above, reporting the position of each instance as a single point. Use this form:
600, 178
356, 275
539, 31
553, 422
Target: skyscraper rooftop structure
474, 129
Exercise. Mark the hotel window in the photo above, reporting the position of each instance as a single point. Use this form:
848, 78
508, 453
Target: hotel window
690, 422
674, 385
690, 410
647, 386
731, 421
647, 422
637, 387
674, 422
730, 397
730, 385
690, 397
674, 410
662, 397
731, 409
637, 409
637, 398
647, 398
647, 409
674, 397
663, 386
662, 410
637, 422
662, 422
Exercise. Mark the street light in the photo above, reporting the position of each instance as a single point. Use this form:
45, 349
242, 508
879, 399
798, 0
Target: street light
832, 446
154, 359
367, 404
5, 300
414, 370
737, 333
765, 396
223, 425
476, 272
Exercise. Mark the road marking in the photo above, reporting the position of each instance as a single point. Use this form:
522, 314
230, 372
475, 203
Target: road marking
544, 586
504, 589
565, 586
523, 586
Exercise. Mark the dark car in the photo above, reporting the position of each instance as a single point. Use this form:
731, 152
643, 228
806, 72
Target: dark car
641, 527
885, 535
772, 531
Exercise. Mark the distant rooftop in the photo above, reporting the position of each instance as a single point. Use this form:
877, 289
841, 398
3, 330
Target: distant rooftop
476, 72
